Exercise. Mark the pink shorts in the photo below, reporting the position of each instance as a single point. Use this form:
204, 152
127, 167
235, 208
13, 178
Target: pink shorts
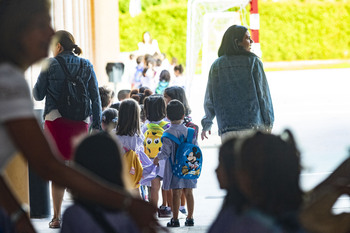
63, 131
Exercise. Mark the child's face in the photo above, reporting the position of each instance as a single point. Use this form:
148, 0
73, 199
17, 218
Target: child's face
177, 73
167, 98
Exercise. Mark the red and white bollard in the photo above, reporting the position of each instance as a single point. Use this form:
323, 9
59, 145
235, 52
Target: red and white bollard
255, 26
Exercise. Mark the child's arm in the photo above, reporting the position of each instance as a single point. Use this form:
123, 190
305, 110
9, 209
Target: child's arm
165, 151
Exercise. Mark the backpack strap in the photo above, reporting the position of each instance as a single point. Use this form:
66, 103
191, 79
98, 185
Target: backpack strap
171, 137
150, 125
190, 133
63, 65
163, 123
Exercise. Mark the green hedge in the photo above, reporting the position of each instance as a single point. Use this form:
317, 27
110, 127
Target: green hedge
145, 4
305, 31
167, 24
288, 30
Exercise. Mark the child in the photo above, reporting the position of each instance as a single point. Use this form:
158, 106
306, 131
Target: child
139, 95
176, 114
234, 201
107, 96
128, 132
154, 109
148, 74
109, 119
100, 155
178, 80
136, 82
267, 172
123, 94
164, 79
178, 93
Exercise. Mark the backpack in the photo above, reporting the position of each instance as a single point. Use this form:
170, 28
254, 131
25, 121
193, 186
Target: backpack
188, 158
152, 142
189, 124
133, 167
74, 102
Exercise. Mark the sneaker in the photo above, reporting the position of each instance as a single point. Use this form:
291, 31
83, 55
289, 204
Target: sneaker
189, 222
164, 213
173, 223
183, 211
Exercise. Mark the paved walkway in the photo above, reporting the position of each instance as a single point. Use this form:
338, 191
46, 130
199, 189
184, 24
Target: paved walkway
300, 104
208, 199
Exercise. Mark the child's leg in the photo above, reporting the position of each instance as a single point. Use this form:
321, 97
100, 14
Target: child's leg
183, 198
164, 197
170, 198
155, 186
176, 202
190, 202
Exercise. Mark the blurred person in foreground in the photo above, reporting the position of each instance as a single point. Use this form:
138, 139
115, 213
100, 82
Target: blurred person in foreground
26, 41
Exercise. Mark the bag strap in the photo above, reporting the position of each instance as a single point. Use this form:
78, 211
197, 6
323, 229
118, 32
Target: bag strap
63, 65
171, 137
190, 133
163, 123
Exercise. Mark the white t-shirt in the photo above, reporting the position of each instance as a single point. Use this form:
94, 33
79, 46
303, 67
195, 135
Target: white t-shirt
15, 103
146, 48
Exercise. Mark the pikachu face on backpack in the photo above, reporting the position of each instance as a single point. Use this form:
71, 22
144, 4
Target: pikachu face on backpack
152, 142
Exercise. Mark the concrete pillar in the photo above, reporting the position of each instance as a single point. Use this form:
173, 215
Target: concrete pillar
105, 33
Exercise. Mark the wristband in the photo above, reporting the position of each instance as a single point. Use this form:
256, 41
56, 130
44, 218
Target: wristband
15, 216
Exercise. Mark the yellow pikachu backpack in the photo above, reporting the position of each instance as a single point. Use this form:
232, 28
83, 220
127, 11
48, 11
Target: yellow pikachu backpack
152, 142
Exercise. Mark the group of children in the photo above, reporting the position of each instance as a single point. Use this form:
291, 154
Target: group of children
261, 172
138, 123
155, 72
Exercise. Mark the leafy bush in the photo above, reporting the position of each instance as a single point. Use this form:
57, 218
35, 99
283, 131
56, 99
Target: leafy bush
289, 30
166, 24
304, 31
145, 4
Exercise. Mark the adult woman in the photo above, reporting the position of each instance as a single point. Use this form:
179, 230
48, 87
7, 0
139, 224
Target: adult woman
49, 85
237, 91
148, 45
27, 39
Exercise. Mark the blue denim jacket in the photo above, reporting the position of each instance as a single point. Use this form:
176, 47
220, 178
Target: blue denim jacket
51, 79
237, 95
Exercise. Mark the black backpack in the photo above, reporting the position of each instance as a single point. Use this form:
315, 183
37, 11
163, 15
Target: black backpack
74, 101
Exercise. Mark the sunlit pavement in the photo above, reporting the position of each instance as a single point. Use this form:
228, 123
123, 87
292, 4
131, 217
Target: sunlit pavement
314, 104
208, 198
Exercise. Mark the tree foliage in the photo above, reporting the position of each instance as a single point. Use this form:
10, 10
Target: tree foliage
289, 30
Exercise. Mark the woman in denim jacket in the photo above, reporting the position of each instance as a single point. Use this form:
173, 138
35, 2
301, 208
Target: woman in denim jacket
237, 92
49, 85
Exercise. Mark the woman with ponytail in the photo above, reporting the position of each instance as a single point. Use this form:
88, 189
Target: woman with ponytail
50, 82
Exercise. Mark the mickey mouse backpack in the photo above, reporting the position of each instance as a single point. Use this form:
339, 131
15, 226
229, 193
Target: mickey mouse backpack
188, 159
